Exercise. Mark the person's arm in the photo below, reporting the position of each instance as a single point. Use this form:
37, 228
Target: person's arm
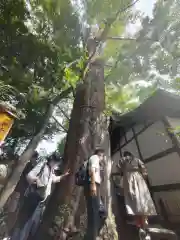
92, 169
31, 178
142, 168
57, 179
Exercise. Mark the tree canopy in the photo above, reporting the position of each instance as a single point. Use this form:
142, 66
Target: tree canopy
36, 44
45, 55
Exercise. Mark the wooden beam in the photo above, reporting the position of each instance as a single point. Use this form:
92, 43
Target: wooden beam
63, 112
59, 124
160, 155
137, 144
155, 157
142, 159
165, 188
136, 134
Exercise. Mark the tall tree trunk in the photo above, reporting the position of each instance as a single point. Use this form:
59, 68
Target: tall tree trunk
88, 128
66, 193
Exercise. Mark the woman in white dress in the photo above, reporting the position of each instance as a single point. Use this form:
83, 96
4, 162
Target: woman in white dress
137, 196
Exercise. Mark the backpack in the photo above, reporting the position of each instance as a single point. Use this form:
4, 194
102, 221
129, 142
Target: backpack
32, 188
102, 210
81, 176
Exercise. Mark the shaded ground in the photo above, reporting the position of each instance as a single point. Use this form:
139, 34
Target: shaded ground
125, 231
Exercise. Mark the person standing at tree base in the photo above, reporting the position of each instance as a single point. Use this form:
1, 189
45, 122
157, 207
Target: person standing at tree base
92, 194
41, 179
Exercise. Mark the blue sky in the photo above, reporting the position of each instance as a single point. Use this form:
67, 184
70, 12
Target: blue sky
145, 6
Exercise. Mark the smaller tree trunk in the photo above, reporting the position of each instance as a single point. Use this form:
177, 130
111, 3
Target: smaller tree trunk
27, 154
6, 225
74, 156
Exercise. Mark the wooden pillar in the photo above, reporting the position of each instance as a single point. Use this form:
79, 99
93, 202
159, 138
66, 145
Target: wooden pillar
137, 144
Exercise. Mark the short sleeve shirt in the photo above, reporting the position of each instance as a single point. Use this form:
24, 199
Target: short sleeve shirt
94, 164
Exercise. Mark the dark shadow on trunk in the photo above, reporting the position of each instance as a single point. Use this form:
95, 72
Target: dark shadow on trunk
83, 135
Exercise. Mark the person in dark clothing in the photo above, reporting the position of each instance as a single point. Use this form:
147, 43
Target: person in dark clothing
92, 195
16, 200
23, 183
40, 180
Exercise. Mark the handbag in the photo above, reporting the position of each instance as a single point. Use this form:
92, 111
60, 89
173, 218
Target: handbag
33, 189
102, 210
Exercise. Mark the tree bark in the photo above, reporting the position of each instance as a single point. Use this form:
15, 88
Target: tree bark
88, 128
11, 184
94, 133
15, 176
21, 163
66, 192
27, 154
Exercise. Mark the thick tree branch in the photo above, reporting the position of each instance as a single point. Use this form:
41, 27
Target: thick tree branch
112, 68
130, 39
103, 34
72, 63
58, 123
62, 95
63, 112
121, 39
66, 92
109, 22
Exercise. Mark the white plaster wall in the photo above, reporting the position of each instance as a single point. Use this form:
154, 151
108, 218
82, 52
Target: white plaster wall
175, 122
154, 140
122, 142
131, 147
165, 170
129, 134
138, 128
